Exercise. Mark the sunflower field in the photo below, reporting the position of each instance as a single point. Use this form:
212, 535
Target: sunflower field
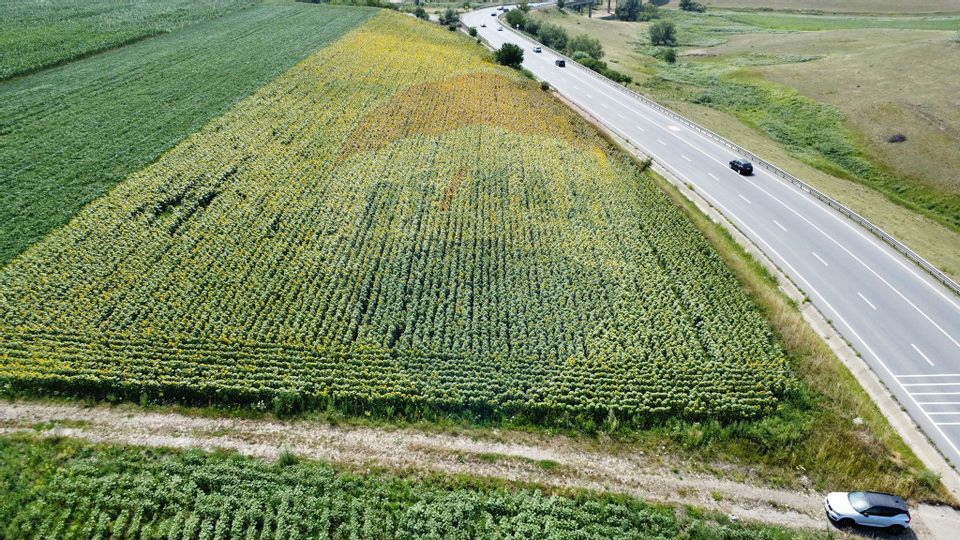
393, 225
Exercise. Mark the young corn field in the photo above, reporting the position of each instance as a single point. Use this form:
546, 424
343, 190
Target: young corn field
394, 225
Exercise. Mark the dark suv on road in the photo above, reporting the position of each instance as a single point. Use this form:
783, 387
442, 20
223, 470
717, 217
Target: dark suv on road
742, 166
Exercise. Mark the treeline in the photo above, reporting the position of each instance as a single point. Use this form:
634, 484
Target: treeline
581, 47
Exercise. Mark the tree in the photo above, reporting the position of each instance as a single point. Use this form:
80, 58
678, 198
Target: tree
663, 33
448, 17
532, 26
553, 36
472, 31
691, 5
628, 10
421, 13
516, 18
524, 7
509, 55
585, 44
670, 55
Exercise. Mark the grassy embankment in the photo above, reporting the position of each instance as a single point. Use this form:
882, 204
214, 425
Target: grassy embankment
820, 103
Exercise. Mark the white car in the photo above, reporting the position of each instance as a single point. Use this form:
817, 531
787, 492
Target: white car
867, 508
537, 49
499, 29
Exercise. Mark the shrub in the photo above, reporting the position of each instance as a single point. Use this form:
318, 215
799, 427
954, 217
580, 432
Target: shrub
516, 18
670, 55
585, 44
553, 36
533, 26
691, 5
628, 10
544, 85
663, 33
421, 13
472, 31
509, 55
448, 17
287, 458
896, 138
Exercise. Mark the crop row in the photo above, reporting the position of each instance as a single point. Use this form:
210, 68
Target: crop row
477, 266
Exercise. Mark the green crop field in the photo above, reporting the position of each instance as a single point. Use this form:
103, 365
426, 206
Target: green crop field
366, 232
35, 34
68, 134
65, 489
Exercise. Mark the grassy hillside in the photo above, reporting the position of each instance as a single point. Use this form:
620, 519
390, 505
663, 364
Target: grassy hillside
35, 34
64, 489
68, 134
843, 6
393, 225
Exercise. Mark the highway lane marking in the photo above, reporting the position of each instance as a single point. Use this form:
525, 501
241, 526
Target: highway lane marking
933, 384
713, 176
864, 298
673, 128
921, 354
938, 394
949, 424
819, 259
744, 198
779, 225
832, 213
788, 207
604, 105
938, 403
661, 142
931, 375
829, 306
800, 276
685, 157
622, 117
942, 413
641, 128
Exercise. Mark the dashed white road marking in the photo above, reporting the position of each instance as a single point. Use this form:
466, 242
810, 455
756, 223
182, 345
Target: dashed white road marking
933, 384
921, 354
713, 176
819, 258
938, 394
673, 128
746, 199
931, 375
661, 142
641, 128
685, 157
779, 225
864, 298
622, 117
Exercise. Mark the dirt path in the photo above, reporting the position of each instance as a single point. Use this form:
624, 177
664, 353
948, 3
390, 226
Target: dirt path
554, 461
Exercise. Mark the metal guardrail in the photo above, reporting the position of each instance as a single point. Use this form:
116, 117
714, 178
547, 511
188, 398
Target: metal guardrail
897, 245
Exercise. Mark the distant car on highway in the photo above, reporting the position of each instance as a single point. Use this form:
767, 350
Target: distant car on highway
742, 166
483, 26
560, 63
867, 508
537, 49
494, 14
499, 29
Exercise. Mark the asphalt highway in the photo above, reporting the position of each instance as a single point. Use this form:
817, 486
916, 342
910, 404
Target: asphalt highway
904, 324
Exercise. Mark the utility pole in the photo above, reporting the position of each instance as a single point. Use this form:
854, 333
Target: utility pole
589, 11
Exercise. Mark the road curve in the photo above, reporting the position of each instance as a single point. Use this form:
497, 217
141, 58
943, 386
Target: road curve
904, 324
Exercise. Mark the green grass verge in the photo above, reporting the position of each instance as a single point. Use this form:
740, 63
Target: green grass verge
825, 22
69, 489
35, 34
810, 131
68, 134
